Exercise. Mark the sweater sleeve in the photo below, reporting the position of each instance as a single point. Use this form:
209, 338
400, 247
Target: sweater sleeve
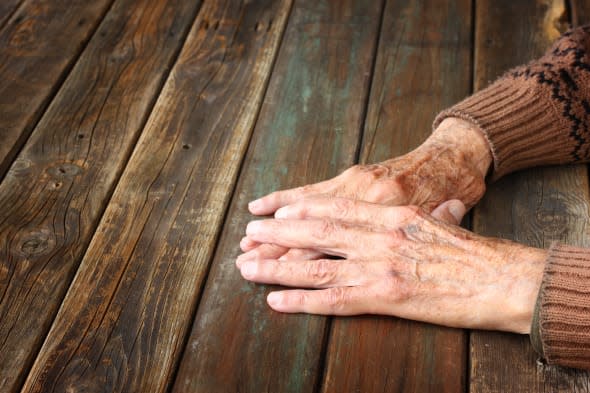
561, 326
539, 113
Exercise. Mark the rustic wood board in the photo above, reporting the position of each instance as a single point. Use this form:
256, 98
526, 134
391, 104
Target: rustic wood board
308, 130
35, 57
533, 207
124, 322
422, 66
7, 8
57, 189
580, 12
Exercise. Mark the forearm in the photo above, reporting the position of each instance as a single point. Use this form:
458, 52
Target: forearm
537, 114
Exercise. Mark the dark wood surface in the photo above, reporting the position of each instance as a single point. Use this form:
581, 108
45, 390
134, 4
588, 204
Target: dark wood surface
421, 49
35, 58
234, 336
134, 132
534, 207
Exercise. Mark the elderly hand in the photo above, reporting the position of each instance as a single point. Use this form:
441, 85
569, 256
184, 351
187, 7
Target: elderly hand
450, 164
397, 261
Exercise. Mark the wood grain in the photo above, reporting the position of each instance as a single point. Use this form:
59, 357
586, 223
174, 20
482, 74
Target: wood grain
35, 57
422, 66
308, 130
7, 8
57, 189
125, 319
580, 12
534, 207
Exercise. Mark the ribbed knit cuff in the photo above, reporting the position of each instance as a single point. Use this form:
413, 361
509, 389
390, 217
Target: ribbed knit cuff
519, 122
563, 319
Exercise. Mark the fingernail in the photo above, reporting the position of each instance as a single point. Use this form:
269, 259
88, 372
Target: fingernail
254, 204
253, 227
245, 256
457, 210
273, 298
245, 243
281, 213
248, 269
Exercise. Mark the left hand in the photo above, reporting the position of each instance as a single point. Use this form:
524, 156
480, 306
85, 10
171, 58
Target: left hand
397, 261
451, 164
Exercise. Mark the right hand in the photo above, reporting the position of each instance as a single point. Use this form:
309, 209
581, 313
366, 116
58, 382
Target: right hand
451, 164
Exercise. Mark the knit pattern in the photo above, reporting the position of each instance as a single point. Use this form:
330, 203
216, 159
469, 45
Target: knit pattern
539, 113
564, 312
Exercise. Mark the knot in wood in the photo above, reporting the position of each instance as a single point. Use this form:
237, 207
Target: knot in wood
122, 53
20, 167
36, 243
64, 170
23, 35
552, 216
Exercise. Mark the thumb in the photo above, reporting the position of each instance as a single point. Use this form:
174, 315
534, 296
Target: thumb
451, 211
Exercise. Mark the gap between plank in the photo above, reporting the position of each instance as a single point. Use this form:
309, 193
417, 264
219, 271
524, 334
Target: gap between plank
172, 62
62, 77
11, 14
359, 147
193, 314
467, 348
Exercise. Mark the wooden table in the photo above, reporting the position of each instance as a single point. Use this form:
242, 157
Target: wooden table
134, 132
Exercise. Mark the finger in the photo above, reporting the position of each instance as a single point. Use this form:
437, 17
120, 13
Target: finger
325, 235
247, 244
451, 211
331, 301
264, 251
322, 273
348, 210
300, 254
270, 203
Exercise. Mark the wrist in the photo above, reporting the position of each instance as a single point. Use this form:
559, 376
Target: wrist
524, 267
466, 139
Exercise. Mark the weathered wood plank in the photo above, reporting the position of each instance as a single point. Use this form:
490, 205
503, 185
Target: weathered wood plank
54, 194
533, 207
35, 57
308, 130
124, 321
7, 8
580, 12
423, 66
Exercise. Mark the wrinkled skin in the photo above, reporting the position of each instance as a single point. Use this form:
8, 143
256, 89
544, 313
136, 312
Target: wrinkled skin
450, 164
397, 261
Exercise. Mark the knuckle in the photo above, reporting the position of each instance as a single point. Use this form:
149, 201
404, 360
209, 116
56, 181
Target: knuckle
325, 229
307, 189
299, 209
342, 207
376, 171
393, 238
298, 299
354, 170
320, 272
387, 190
335, 298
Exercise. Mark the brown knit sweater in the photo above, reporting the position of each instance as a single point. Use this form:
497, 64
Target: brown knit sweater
539, 114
